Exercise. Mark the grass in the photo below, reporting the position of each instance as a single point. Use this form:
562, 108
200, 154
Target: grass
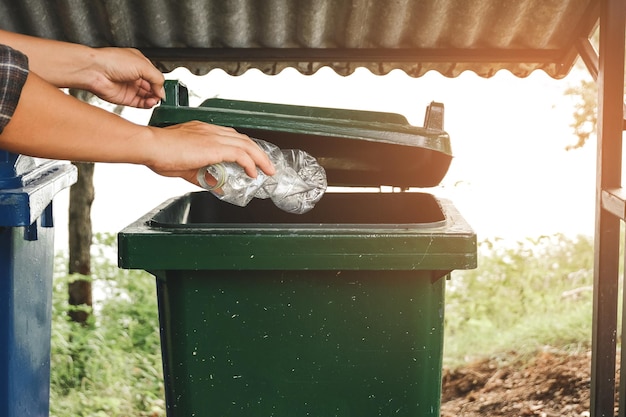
112, 366
534, 293
521, 298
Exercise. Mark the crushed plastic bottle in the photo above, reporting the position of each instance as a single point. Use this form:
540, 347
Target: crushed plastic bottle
298, 184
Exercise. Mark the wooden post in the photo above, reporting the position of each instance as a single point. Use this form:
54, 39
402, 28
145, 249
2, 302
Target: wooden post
607, 235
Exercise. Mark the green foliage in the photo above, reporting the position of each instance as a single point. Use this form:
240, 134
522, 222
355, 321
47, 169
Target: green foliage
585, 96
112, 366
537, 292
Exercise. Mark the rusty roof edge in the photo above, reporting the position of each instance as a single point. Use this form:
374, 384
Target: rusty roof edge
486, 70
381, 55
414, 62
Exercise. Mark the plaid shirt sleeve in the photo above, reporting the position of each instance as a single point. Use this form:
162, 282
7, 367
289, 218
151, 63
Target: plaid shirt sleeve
13, 73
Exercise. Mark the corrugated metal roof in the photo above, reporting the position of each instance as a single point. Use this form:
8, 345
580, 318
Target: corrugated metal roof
449, 36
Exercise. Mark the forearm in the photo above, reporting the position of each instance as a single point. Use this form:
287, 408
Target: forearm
118, 75
49, 124
62, 64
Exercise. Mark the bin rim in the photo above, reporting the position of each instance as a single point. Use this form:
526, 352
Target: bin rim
449, 247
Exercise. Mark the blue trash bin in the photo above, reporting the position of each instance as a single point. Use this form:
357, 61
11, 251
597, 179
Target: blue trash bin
27, 188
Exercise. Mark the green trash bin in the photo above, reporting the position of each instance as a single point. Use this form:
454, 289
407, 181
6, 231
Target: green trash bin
336, 312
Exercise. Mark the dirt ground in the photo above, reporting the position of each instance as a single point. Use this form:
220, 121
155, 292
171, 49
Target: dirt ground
550, 384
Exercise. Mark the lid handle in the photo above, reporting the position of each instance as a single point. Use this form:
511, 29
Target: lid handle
434, 116
176, 93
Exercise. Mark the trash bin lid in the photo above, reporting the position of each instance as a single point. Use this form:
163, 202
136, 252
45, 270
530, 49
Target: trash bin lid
356, 148
28, 185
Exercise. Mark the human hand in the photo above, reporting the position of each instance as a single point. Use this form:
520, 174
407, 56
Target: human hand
118, 75
180, 150
125, 76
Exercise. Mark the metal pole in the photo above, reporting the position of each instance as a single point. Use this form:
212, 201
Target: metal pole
607, 235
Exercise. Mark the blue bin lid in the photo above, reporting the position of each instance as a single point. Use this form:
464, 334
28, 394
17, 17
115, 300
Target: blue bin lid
28, 185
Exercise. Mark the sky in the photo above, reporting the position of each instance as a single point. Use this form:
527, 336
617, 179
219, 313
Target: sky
511, 177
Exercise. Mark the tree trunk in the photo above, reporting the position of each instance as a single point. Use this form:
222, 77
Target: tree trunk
80, 234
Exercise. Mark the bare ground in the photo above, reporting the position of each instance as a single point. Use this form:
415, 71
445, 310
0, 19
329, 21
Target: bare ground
552, 383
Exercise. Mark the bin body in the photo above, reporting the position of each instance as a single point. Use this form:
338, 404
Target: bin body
299, 343
26, 269
337, 312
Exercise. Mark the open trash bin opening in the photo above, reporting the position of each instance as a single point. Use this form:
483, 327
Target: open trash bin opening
336, 312
385, 210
